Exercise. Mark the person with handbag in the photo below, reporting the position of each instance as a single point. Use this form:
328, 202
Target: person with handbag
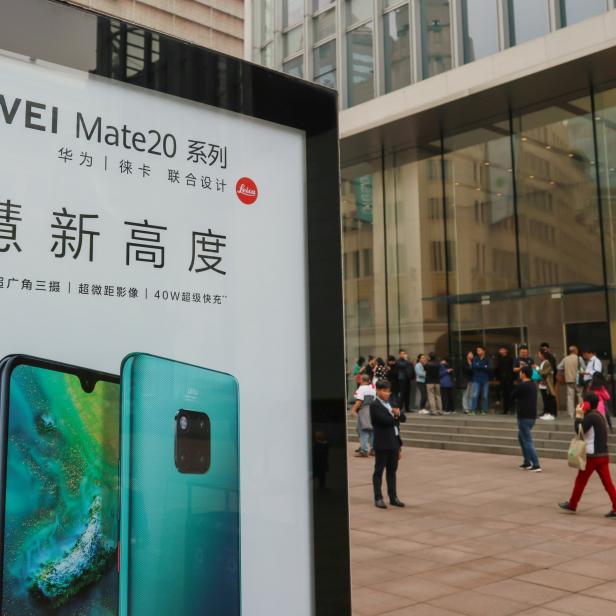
594, 428
525, 394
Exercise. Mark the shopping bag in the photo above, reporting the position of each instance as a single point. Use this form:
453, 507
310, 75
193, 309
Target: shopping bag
576, 456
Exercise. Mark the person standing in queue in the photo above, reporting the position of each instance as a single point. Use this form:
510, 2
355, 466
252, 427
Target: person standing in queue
505, 375
480, 381
385, 425
404, 373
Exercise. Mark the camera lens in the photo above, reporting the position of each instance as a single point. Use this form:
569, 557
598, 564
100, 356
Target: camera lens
183, 422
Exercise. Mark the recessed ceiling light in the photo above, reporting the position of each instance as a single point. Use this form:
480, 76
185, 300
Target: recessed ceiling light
552, 182
571, 155
524, 138
548, 147
478, 188
532, 177
509, 170
487, 163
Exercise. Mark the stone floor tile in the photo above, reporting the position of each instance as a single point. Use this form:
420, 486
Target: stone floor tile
524, 592
363, 553
583, 605
370, 602
461, 576
422, 609
416, 588
473, 603
572, 582
603, 591
590, 568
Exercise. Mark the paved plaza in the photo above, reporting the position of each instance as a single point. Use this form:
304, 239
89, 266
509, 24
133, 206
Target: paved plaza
479, 537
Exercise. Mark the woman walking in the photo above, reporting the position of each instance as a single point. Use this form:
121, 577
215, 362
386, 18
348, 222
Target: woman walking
467, 374
594, 427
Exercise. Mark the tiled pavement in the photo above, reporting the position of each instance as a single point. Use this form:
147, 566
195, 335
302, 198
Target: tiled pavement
479, 537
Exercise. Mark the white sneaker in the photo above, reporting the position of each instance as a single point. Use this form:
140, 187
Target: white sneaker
423, 412
547, 417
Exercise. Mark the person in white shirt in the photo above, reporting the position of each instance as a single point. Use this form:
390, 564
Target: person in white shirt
364, 395
593, 364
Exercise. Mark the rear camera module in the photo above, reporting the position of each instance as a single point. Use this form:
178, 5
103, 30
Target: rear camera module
192, 441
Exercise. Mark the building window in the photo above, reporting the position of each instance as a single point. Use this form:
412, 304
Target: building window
435, 36
294, 67
324, 25
319, 5
360, 62
528, 19
480, 28
358, 10
292, 12
325, 64
396, 32
572, 11
293, 41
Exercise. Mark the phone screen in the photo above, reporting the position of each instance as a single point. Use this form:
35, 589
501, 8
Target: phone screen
61, 502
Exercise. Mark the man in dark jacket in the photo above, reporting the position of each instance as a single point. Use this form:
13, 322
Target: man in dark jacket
403, 374
505, 375
385, 425
526, 396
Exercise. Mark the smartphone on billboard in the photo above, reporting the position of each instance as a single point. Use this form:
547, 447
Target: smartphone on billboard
60, 488
180, 518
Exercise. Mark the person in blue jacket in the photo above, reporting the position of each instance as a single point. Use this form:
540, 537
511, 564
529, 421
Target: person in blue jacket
480, 381
446, 379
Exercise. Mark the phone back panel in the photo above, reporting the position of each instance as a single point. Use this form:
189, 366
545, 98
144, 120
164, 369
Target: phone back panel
180, 532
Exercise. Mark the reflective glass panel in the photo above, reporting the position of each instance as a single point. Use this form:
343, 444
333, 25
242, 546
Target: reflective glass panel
294, 67
324, 25
528, 19
556, 189
358, 10
573, 11
480, 24
360, 65
318, 5
362, 223
267, 55
396, 35
293, 41
416, 253
480, 212
292, 12
325, 64
435, 37
267, 20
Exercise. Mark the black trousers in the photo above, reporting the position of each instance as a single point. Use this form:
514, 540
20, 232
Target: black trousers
447, 399
423, 395
405, 394
506, 388
385, 460
549, 402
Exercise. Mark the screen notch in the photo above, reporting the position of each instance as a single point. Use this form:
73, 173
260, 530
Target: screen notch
192, 442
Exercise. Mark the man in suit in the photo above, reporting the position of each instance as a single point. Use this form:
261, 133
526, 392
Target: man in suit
385, 425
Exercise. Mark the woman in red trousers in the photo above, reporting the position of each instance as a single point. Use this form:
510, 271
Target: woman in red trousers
595, 430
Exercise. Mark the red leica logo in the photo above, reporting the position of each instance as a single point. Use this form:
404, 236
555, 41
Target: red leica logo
246, 190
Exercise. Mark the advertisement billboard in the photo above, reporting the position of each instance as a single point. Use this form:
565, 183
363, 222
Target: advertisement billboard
165, 445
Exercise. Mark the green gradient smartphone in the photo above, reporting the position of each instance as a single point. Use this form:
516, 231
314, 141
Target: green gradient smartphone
59, 468
180, 521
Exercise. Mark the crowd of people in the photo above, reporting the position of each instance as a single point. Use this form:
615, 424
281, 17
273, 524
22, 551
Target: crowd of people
384, 394
429, 385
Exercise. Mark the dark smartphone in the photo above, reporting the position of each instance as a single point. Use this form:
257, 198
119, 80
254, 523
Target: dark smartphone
59, 480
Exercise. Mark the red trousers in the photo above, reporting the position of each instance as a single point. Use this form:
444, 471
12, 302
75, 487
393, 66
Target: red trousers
602, 466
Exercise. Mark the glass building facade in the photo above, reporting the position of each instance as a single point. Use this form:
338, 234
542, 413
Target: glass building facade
501, 234
367, 48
